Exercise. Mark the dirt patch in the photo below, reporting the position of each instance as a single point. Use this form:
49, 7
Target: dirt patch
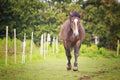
97, 74
91, 76
85, 78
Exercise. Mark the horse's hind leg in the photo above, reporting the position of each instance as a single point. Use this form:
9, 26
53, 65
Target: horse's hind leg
76, 54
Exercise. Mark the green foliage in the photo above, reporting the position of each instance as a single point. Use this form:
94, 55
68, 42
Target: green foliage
95, 51
61, 17
83, 49
91, 51
99, 17
106, 53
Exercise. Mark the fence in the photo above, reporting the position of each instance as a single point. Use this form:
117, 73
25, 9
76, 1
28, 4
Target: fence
45, 39
44, 42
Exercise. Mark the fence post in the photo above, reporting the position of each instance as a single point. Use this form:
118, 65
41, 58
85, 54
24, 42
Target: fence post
44, 46
31, 48
48, 40
41, 45
6, 54
117, 47
56, 41
53, 45
15, 46
23, 54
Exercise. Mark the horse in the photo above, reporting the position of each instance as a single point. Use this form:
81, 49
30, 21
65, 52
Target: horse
72, 35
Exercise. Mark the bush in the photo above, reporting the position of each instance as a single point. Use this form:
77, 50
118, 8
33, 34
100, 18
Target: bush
102, 51
106, 53
93, 49
84, 49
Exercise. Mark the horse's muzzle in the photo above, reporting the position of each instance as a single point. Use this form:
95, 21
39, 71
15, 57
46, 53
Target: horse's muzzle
76, 33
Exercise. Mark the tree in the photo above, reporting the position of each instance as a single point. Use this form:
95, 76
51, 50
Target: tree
100, 17
102, 20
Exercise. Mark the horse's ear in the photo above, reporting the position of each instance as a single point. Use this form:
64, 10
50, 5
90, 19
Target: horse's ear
70, 14
79, 16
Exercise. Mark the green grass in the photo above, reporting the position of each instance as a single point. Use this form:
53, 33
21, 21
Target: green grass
94, 64
54, 68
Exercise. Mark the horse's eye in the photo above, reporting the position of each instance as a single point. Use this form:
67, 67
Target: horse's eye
72, 21
71, 16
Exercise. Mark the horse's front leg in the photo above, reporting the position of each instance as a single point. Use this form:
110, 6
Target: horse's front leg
68, 55
76, 54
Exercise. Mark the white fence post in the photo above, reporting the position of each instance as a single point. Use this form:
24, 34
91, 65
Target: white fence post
31, 48
56, 41
41, 45
53, 45
48, 40
23, 54
44, 46
6, 54
117, 47
15, 46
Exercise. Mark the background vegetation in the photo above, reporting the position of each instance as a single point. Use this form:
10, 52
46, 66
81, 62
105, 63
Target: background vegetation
99, 17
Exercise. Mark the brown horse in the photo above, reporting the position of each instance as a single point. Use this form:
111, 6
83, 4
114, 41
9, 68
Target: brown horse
72, 34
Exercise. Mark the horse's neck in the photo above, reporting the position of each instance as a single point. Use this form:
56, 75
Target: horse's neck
82, 32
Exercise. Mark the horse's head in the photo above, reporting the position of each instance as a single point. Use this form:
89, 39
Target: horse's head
75, 22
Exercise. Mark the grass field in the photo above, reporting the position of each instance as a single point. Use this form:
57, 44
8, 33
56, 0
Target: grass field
54, 68
94, 64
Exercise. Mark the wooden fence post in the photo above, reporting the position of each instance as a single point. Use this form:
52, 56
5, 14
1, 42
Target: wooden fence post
23, 54
15, 46
6, 54
117, 47
31, 48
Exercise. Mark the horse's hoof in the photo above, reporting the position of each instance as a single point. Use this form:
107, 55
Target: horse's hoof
69, 67
75, 68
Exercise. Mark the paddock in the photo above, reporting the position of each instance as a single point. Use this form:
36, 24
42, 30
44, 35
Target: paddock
94, 64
